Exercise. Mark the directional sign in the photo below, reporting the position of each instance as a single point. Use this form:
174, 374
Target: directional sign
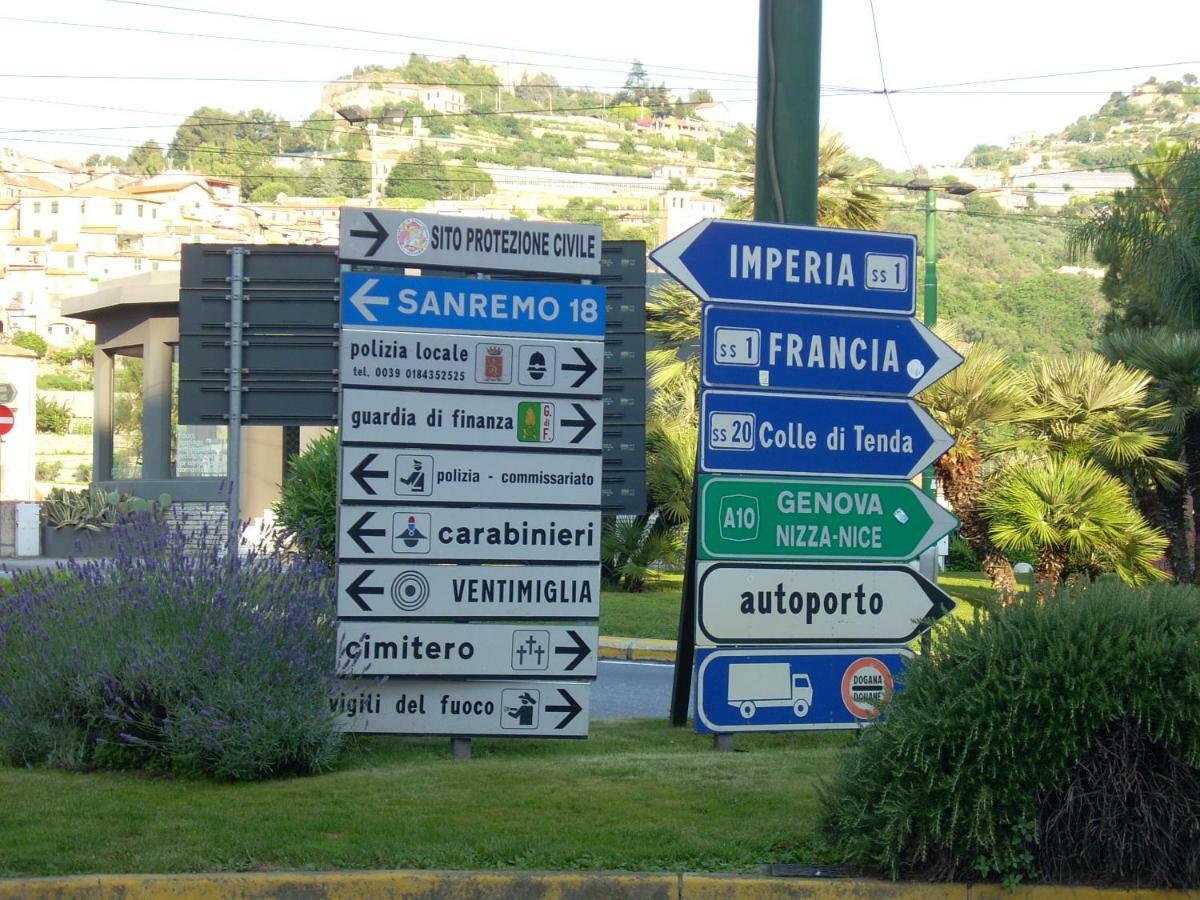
796, 265
454, 648
464, 305
776, 518
471, 363
7, 420
814, 604
440, 475
776, 349
422, 590
478, 708
399, 237
450, 533
8, 392
464, 420
794, 689
800, 434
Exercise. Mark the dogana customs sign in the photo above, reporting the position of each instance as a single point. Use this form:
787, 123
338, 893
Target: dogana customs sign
794, 265
466, 420
777, 349
794, 688
455, 648
371, 300
446, 707
421, 590
441, 475
449, 533
798, 603
471, 363
419, 239
801, 434
760, 518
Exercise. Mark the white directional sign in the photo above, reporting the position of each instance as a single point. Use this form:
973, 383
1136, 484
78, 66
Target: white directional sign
427, 591
489, 708
471, 363
441, 475
449, 533
756, 603
464, 420
453, 648
400, 237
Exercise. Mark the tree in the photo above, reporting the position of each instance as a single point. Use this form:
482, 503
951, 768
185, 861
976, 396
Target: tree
419, 174
969, 403
147, 159
981, 204
31, 340
637, 86
700, 95
353, 177
1071, 511
269, 191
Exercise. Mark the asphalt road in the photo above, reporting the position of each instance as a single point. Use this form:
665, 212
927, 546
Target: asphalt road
634, 690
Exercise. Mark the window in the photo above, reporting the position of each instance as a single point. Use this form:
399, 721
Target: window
141, 210
54, 235
137, 264
70, 261
127, 405
53, 207
37, 232
154, 212
197, 451
118, 207
37, 207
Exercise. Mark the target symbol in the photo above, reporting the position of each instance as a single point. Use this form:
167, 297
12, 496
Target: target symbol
410, 590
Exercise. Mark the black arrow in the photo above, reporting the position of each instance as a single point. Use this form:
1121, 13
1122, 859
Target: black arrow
581, 650
358, 587
586, 423
357, 532
379, 233
587, 368
572, 709
361, 473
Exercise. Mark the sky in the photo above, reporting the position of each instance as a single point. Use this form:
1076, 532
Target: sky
154, 78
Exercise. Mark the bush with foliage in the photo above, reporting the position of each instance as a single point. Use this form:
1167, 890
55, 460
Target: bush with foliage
997, 759
52, 417
306, 512
170, 658
31, 341
47, 470
62, 381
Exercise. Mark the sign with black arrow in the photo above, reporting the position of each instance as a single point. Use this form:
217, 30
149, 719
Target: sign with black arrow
461, 362
403, 418
469, 534
493, 649
442, 475
448, 707
402, 590
421, 240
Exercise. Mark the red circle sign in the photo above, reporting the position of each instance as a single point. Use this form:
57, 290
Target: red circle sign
866, 686
7, 420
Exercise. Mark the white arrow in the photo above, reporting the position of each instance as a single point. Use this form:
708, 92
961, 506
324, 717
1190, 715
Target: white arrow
363, 300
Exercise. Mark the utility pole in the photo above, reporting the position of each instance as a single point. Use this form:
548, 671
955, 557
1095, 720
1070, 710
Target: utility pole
785, 190
928, 562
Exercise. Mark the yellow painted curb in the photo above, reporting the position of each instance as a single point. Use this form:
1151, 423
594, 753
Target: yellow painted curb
643, 649
417, 885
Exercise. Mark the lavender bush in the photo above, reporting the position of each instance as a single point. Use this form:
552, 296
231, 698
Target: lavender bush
167, 657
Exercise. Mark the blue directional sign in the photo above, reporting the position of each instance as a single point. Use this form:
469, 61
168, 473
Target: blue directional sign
794, 688
472, 305
795, 265
805, 434
759, 348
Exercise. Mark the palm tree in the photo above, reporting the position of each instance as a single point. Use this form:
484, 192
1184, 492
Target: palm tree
1071, 511
1172, 358
846, 197
981, 393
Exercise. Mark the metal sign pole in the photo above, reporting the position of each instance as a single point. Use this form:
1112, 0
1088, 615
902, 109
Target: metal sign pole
237, 293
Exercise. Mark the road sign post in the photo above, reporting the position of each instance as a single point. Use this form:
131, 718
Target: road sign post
470, 480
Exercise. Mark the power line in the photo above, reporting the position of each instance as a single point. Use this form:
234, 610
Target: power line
1011, 78
329, 27
886, 94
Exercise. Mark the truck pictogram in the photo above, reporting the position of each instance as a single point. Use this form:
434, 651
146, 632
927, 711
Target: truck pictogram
754, 685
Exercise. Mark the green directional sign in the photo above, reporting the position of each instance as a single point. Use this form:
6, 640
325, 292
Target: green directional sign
816, 518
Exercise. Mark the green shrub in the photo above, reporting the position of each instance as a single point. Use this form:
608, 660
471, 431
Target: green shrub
61, 381
965, 776
961, 557
52, 418
83, 472
47, 470
31, 341
306, 512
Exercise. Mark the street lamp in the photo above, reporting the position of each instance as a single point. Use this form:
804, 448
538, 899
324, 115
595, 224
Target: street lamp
356, 115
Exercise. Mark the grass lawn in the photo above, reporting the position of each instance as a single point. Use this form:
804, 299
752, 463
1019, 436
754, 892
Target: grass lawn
654, 613
638, 795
